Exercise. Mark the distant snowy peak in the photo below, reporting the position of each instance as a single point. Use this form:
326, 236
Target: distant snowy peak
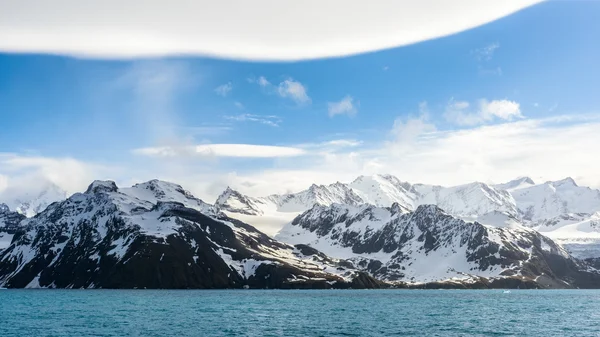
468, 200
33, 201
554, 198
384, 190
234, 201
568, 182
379, 190
516, 184
320, 195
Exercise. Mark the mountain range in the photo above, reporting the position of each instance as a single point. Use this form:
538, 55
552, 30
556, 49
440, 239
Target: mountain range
375, 231
158, 235
520, 200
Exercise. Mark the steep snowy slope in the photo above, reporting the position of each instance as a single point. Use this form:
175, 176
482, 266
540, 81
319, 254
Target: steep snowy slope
157, 235
553, 198
429, 245
467, 200
384, 190
9, 224
30, 202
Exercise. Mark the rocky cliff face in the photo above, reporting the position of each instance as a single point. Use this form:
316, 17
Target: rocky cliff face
429, 245
9, 225
157, 235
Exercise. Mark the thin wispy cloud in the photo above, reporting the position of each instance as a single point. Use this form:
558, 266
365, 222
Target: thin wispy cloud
293, 90
485, 53
216, 130
483, 71
345, 106
261, 81
459, 112
269, 120
224, 89
222, 150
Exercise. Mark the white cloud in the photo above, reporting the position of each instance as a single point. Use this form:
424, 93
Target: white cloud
256, 30
263, 82
503, 109
293, 90
222, 150
546, 148
486, 53
224, 89
267, 120
501, 152
457, 112
238, 105
343, 107
331, 146
26, 171
3, 182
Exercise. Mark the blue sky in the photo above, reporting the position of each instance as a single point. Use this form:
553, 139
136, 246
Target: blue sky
131, 120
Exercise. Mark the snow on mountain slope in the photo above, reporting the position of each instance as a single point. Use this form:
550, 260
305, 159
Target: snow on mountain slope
157, 235
429, 245
467, 200
553, 198
270, 213
515, 184
9, 224
579, 233
384, 190
30, 202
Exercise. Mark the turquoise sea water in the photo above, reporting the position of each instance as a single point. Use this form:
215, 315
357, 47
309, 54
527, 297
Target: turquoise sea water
299, 313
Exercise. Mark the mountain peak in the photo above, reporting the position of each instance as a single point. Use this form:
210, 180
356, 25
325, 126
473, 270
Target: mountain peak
568, 181
98, 186
526, 180
519, 182
225, 195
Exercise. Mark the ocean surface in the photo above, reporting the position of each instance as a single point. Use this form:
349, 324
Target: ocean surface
299, 313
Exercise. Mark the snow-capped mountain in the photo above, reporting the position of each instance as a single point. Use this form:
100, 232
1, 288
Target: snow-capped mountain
554, 198
470, 200
157, 235
429, 245
384, 190
234, 201
271, 212
30, 202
